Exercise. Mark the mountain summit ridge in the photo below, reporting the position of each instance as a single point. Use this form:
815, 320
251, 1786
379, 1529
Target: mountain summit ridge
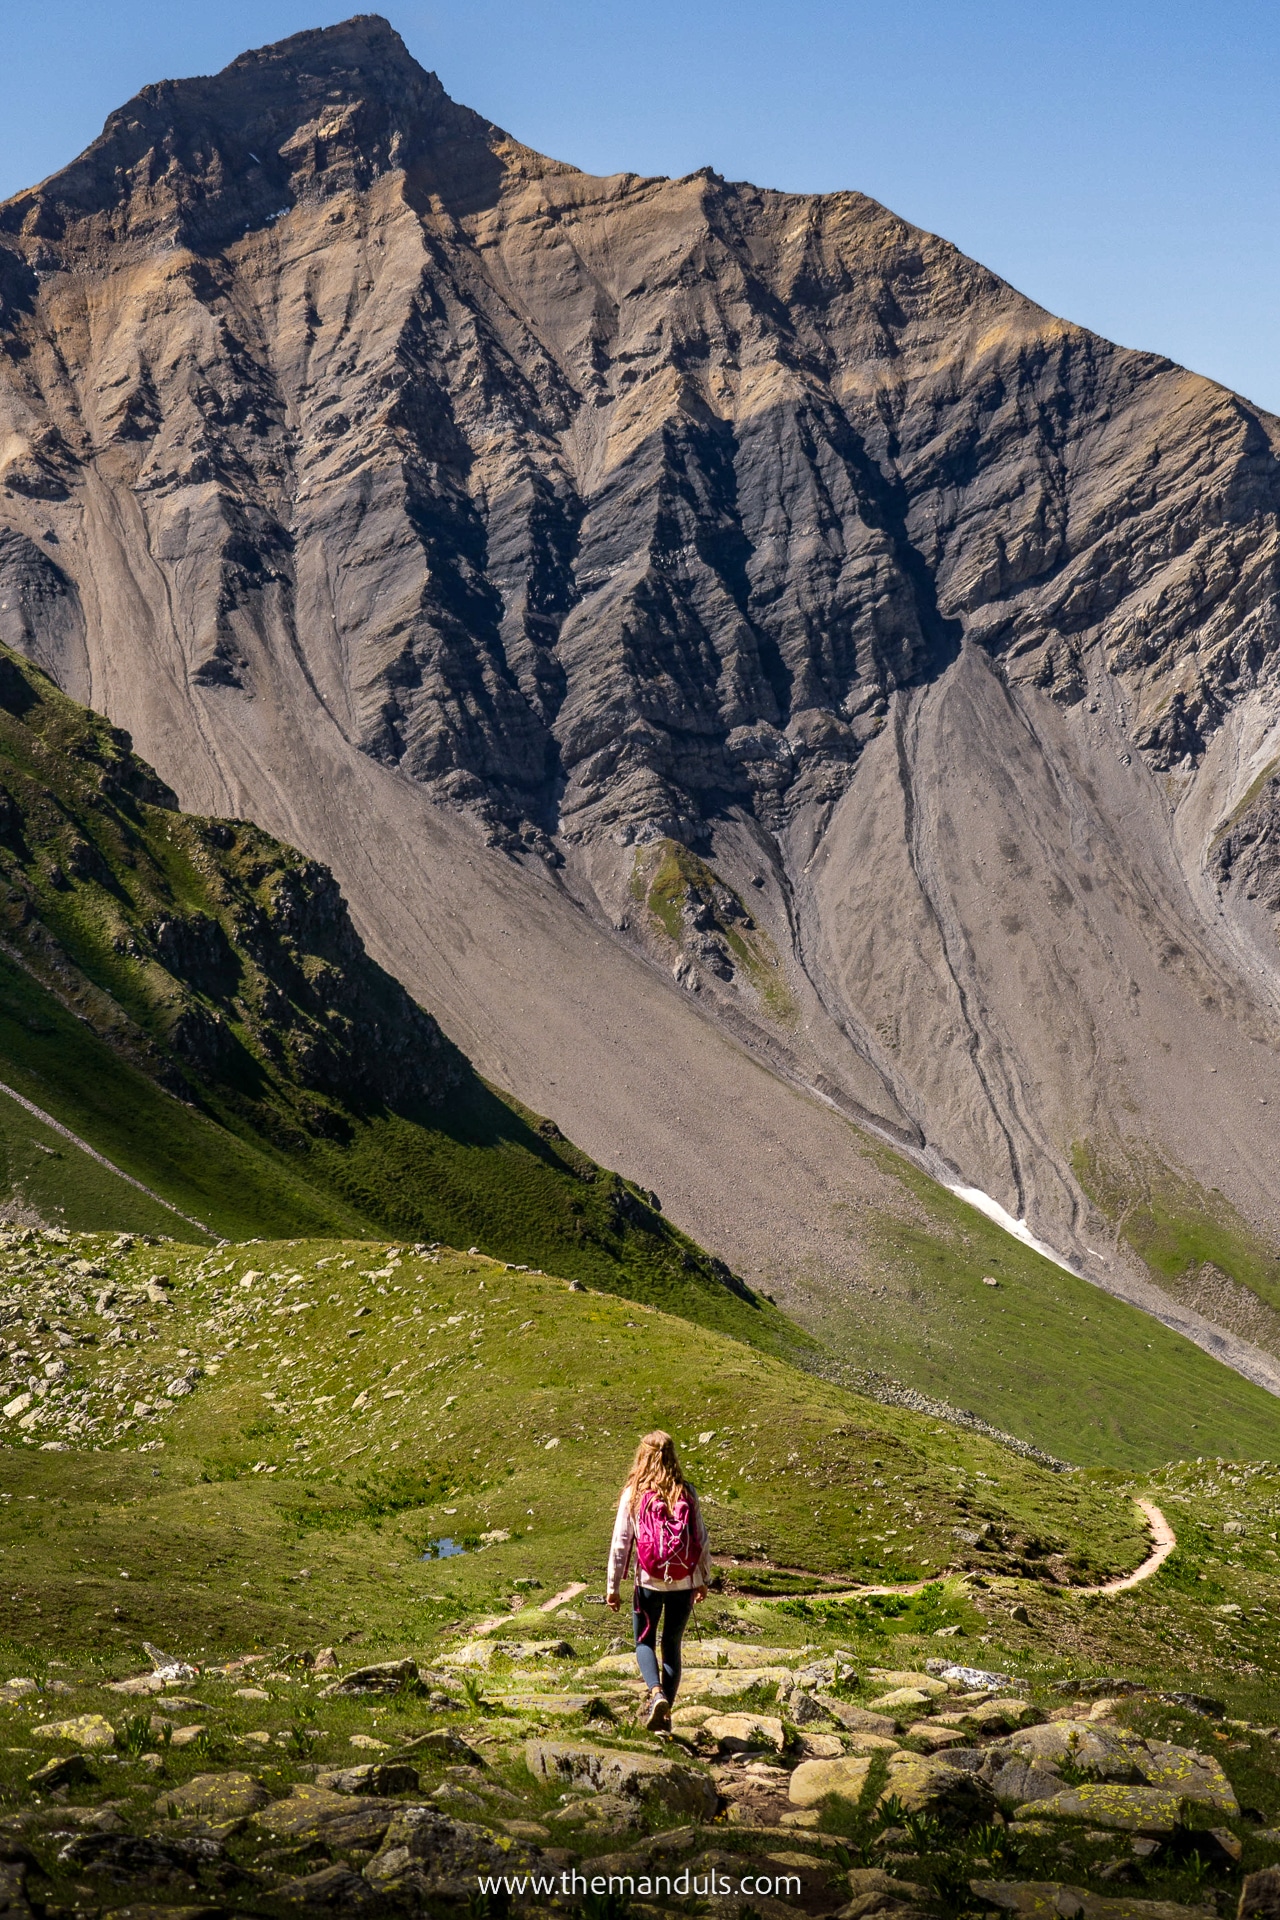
686, 617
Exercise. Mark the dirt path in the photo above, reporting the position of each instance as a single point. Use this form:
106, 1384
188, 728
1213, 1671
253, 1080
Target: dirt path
47, 1119
1163, 1542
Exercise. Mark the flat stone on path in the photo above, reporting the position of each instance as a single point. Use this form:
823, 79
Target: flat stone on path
1155, 1810
922, 1682
745, 1732
901, 1697
856, 1719
813, 1780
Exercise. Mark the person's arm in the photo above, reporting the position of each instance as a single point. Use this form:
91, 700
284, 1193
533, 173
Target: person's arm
619, 1551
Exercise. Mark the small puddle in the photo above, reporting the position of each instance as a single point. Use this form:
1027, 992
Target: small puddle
443, 1550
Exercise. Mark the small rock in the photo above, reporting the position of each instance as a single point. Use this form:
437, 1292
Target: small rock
334, 1889
387, 1676
924, 1785
374, 1777
367, 1741
442, 1743
326, 1661
1260, 1895
813, 1780
630, 1775
71, 1770
819, 1746
1198, 1777
185, 1736
335, 1820
1099, 1751
1126, 1809
216, 1799
15, 1690
250, 1693
803, 1709
85, 1730
744, 1732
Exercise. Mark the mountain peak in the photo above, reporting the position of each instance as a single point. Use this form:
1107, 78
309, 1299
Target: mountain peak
197, 162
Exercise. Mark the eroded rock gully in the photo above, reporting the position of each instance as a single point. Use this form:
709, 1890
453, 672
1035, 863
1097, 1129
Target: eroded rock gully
531, 546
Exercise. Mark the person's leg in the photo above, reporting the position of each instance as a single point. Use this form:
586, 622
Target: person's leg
675, 1618
646, 1605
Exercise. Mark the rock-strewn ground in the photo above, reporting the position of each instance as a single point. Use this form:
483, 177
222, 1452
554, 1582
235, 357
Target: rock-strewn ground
324, 1630
259, 1786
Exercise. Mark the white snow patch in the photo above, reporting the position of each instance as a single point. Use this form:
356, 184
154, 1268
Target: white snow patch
983, 1203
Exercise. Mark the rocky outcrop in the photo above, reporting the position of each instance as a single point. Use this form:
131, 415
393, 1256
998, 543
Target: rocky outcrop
869, 651
224, 962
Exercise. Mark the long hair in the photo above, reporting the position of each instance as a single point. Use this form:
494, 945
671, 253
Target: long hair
655, 1469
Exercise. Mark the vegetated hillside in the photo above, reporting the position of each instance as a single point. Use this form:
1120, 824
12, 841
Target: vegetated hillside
190, 997
362, 1495
840, 654
268, 1439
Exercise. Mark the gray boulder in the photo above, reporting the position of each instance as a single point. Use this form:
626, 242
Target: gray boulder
633, 1776
378, 1776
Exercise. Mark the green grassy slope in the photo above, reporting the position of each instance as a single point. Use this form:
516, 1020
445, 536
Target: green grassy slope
1175, 1226
348, 1406
1042, 1355
190, 998
358, 1404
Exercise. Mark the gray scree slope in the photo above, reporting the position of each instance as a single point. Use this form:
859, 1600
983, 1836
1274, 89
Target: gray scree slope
540, 550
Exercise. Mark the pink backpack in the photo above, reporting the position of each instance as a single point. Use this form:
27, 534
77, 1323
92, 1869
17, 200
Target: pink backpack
668, 1541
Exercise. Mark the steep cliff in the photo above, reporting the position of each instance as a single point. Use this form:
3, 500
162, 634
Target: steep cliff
687, 618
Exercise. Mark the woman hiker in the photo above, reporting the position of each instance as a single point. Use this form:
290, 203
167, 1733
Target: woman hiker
659, 1515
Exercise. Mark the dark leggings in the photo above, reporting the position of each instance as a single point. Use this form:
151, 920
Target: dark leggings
648, 1604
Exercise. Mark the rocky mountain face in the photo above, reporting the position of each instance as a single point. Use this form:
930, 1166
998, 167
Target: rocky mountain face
748, 666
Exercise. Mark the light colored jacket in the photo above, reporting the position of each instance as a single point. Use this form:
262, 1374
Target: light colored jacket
624, 1539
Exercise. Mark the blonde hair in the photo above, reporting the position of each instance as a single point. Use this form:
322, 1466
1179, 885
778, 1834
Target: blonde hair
655, 1469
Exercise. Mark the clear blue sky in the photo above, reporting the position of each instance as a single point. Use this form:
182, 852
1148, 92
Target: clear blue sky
1118, 160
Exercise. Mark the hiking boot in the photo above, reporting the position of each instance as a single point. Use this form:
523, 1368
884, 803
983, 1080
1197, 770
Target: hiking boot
656, 1714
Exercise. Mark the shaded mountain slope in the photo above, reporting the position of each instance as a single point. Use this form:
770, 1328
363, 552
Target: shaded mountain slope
729, 647
190, 997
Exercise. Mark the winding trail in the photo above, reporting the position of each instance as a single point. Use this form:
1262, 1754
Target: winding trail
1163, 1542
